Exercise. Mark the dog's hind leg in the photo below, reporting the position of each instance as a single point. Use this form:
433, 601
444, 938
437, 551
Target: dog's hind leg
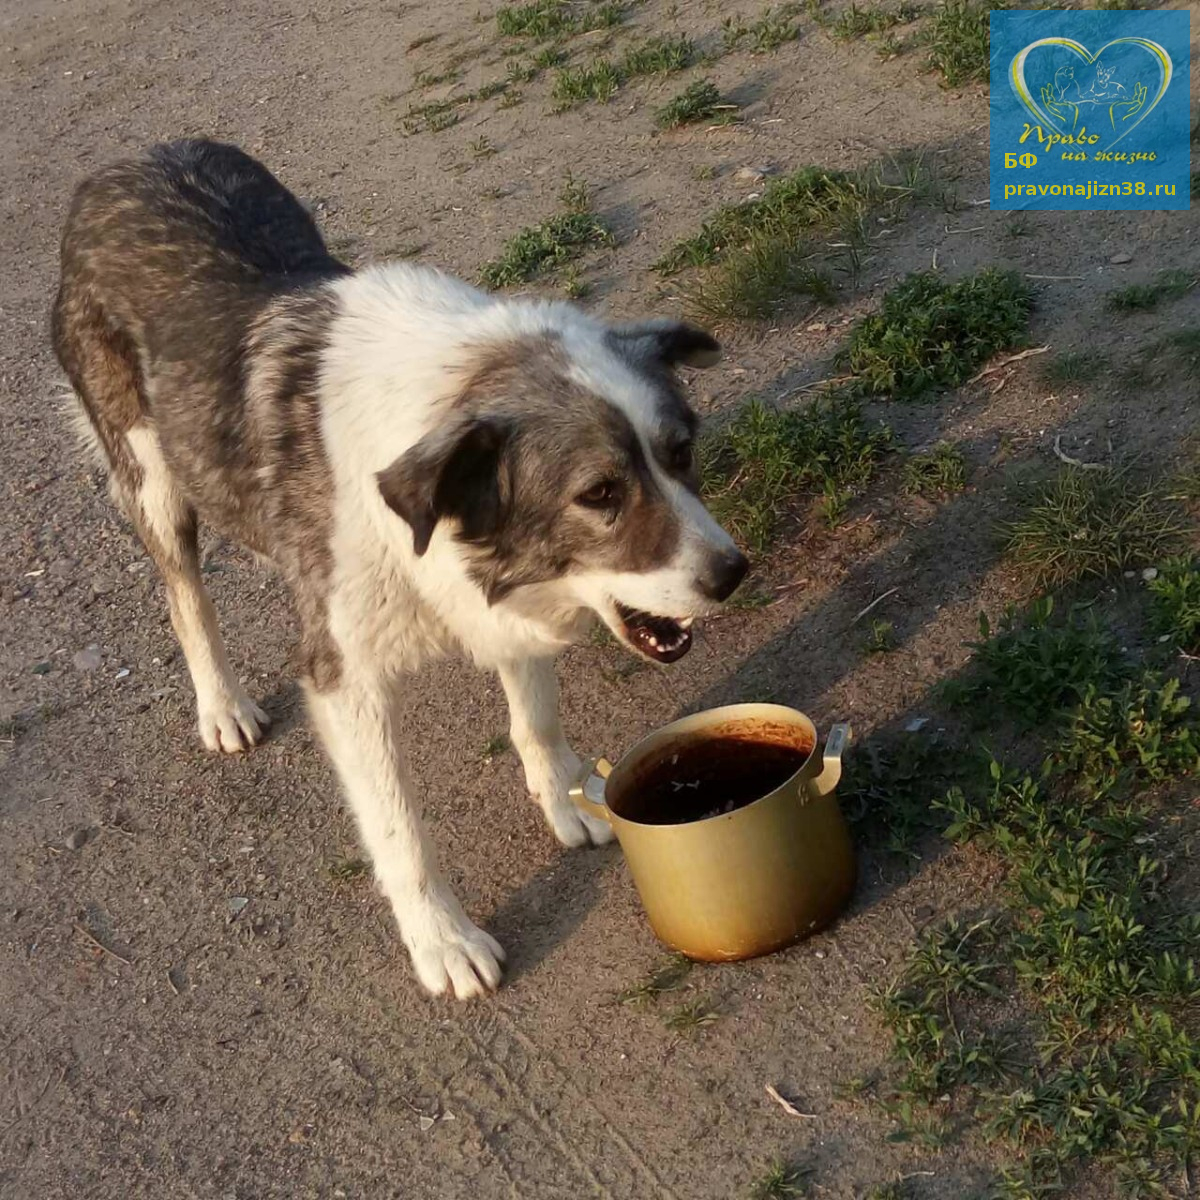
550, 764
228, 719
103, 367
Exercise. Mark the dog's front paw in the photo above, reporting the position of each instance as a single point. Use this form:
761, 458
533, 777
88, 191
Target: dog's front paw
574, 828
449, 952
231, 723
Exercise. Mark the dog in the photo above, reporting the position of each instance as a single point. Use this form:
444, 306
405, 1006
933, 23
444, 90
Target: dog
431, 469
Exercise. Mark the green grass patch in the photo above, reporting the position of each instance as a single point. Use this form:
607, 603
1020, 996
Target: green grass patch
960, 41
557, 240
1175, 603
790, 208
666, 976
1143, 297
859, 21
544, 19
1073, 366
756, 281
932, 334
773, 28
756, 467
779, 1181
1063, 1019
688, 1018
699, 101
881, 638
600, 79
1037, 665
941, 471
1085, 524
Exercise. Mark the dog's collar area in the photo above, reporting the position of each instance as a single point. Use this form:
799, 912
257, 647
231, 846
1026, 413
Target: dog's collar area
661, 638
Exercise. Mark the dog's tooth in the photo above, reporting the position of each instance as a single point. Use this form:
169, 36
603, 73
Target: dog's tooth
687, 622
654, 641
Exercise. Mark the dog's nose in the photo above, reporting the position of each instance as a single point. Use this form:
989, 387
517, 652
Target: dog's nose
724, 575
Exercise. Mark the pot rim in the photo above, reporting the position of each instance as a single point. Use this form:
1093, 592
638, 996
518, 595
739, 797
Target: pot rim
724, 714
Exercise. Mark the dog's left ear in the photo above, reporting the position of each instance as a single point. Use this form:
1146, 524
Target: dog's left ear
451, 474
666, 343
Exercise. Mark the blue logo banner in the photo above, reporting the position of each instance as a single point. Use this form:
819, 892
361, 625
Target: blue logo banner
1090, 110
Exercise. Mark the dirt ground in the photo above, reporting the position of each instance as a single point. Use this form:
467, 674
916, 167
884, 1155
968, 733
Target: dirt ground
190, 1005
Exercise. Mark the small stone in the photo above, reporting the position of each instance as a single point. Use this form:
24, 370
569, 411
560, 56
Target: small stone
237, 905
123, 673
1130, 574
76, 839
87, 659
42, 668
426, 1123
752, 174
1119, 260
1150, 573
916, 724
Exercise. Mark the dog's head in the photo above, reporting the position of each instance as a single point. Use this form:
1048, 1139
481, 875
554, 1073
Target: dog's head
567, 470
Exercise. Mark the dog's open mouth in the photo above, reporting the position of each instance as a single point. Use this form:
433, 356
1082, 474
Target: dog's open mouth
660, 638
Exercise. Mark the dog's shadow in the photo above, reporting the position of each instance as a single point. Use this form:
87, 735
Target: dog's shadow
545, 911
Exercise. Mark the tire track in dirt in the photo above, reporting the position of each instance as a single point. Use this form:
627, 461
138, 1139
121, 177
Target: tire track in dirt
559, 1118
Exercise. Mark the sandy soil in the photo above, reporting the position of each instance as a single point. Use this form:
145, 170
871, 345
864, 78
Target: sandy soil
281, 1048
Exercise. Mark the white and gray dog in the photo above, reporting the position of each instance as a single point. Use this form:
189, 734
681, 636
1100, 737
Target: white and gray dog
429, 467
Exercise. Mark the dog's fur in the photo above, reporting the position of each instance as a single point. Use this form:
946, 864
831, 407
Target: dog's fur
429, 467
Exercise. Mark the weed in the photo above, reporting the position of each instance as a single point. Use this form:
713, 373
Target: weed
856, 22
574, 287
704, 171
548, 57
512, 97
658, 56
940, 472
689, 1017
557, 240
666, 976
1091, 523
960, 41
789, 208
779, 1182
766, 457
347, 870
754, 282
699, 101
932, 334
598, 80
486, 91
496, 745
882, 637
1073, 366
427, 79
891, 784
521, 72
482, 147
539, 19
417, 43
1167, 285
774, 28
1036, 667
1175, 603
834, 503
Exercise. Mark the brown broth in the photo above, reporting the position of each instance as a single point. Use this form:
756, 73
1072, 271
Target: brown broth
708, 777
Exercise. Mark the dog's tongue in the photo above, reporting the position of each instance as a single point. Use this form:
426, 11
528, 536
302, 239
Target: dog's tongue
659, 638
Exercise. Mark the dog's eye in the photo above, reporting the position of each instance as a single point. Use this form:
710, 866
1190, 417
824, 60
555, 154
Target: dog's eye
600, 495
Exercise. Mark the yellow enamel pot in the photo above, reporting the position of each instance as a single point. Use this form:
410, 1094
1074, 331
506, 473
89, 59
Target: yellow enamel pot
740, 883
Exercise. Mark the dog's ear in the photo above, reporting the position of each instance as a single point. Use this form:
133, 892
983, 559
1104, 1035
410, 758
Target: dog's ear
452, 473
666, 343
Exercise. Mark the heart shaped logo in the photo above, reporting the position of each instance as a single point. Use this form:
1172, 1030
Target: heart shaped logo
1090, 90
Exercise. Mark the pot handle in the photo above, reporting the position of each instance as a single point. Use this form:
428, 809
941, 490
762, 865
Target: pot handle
587, 792
831, 772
